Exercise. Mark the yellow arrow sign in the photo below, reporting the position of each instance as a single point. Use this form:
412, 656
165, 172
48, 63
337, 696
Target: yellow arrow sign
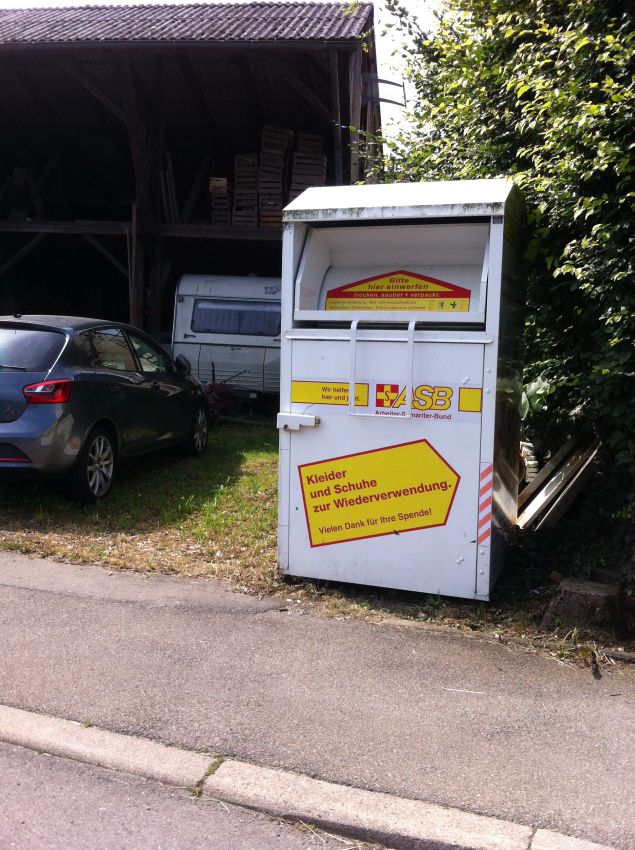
383, 491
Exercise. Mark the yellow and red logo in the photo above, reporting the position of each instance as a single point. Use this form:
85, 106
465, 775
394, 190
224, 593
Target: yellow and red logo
386, 394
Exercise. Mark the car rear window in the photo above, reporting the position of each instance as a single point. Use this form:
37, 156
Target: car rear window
251, 318
29, 350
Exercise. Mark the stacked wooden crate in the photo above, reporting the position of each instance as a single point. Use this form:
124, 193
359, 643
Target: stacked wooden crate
308, 164
245, 208
272, 174
220, 198
261, 181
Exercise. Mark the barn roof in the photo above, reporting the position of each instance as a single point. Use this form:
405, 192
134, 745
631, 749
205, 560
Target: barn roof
199, 22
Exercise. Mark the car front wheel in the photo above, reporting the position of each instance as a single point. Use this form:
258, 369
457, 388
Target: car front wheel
93, 474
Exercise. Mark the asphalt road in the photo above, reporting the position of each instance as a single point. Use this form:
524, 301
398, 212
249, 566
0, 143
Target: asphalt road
437, 717
50, 803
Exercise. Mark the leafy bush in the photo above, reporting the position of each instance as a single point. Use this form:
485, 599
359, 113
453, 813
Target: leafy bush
542, 90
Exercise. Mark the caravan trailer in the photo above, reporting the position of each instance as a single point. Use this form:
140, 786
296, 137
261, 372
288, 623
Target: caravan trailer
229, 329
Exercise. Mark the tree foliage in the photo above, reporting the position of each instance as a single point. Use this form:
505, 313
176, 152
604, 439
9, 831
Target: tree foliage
543, 90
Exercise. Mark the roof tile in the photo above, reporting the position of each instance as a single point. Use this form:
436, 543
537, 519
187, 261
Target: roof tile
258, 21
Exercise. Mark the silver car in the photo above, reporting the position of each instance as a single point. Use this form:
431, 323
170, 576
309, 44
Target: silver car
77, 396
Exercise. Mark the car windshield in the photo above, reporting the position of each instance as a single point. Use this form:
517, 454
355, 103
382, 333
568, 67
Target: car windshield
29, 350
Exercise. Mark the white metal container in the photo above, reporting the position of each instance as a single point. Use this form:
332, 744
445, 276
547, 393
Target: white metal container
413, 295
229, 329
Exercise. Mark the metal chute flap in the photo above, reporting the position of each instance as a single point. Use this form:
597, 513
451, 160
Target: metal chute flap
434, 270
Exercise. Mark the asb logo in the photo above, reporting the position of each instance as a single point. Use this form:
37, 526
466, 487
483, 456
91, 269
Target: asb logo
424, 397
386, 395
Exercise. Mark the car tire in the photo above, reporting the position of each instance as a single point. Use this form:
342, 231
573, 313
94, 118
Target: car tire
94, 471
199, 432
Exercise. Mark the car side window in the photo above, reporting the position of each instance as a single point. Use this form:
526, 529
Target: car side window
82, 353
110, 350
151, 357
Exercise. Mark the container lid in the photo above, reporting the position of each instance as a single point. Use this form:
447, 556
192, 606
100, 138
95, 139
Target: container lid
441, 199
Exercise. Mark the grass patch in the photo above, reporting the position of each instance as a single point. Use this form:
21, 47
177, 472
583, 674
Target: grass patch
166, 513
217, 516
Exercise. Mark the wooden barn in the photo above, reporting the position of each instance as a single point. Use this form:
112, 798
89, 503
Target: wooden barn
141, 142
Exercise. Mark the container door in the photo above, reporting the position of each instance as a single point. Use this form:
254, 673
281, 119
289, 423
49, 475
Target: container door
385, 492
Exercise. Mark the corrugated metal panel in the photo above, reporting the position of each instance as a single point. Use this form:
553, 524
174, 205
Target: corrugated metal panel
252, 22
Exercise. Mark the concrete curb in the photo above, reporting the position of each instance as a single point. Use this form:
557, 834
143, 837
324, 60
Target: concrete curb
367, 815
106, 749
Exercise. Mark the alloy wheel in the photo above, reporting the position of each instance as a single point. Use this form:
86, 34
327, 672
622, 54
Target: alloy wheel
100, 466
199, 431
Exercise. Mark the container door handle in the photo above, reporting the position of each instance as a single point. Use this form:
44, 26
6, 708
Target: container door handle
482, 300
410, 367
352, 383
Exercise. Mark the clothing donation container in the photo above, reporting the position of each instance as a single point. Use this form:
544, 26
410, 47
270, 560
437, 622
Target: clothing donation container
402, 310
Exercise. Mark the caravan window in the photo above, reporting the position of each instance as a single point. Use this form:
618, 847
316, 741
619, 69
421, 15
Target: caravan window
250, 318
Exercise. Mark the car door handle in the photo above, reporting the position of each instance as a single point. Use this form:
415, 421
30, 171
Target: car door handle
156, 385
114, 388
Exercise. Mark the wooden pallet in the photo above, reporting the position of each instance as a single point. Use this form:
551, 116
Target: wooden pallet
246, 172
245, 218
270, 219
244, 198
272, 167
307, 143
304, 175
276, 139
221, 204
308, 164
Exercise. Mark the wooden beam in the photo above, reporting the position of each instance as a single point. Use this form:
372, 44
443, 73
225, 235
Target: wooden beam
196, 186
146, 214
24, 251
106, 253
336, 117
198, 91
91, 88
158, 129
49, 165
136, 265
168, 47
34, 192
36, 94
303, 90
219, 231
355, 109
137, 131
71, 228
175, 214
7, 120
249, 76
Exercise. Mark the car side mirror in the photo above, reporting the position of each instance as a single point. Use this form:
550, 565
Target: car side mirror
183, 365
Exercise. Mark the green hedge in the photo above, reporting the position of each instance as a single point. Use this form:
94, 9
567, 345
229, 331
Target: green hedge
543, 91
